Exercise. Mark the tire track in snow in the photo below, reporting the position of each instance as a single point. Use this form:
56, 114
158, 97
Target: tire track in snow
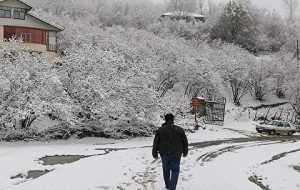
150, 174
249, 134
279, 156
210, 156
259, 180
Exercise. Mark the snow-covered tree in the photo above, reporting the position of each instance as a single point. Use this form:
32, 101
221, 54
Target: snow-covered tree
293, 87
108, 79
291, 6
201, 6
212, 8
182, 5
235, 68
292, 34
236, 25
272, 33
261, 77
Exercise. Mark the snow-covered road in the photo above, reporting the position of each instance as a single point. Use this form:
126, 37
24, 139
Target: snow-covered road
219, 159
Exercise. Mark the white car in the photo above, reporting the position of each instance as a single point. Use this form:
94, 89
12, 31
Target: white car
273, 127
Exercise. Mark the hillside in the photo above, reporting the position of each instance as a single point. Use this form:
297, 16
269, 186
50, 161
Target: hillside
117, 75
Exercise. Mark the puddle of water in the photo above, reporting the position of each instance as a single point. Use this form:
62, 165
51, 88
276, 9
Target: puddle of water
297, 168
65, 159
17, 176
32, 174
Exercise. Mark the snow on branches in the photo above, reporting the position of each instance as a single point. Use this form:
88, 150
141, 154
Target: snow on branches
29, 87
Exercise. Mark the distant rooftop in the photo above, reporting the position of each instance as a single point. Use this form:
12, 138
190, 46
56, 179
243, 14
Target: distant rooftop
183, 14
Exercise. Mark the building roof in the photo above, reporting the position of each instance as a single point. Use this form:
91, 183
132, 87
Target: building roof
22, 1
179, 13
47, 18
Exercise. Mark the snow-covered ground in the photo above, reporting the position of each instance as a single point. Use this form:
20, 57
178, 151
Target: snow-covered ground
128, 164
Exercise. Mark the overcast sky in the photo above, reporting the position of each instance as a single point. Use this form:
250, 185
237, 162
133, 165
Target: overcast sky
270, 4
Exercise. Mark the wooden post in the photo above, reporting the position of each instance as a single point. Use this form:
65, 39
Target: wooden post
196, 104
292, 117
275, 115
196, 121
266, 117
255, 115
287, 117
249, 113
280, 114
298, 58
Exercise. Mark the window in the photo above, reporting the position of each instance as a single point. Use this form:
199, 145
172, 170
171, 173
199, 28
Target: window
5, 12
286, 124
51, 41
271, 123
26, 37
19, 13
280, 124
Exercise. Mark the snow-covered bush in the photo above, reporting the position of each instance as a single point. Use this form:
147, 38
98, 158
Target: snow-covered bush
292, 34
293, 88
234, 66
175, 68
181, 28
29, 87
262, 78
284, 71
157, 62
292, 84
109, 78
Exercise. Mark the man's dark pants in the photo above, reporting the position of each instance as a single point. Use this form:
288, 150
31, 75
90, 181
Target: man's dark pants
171, 168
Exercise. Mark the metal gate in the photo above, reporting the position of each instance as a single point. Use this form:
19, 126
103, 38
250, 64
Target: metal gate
215, 111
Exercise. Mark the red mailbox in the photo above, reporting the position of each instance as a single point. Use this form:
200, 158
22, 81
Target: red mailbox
198, 103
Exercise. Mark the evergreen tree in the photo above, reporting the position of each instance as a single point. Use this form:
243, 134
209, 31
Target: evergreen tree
236, 25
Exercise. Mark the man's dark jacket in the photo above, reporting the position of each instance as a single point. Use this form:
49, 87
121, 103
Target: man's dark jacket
170, 140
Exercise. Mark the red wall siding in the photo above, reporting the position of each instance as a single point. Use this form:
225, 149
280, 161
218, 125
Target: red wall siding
38, 36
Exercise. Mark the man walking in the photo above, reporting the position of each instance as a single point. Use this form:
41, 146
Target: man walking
171, 143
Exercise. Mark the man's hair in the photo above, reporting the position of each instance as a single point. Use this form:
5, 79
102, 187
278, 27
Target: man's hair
169, 117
